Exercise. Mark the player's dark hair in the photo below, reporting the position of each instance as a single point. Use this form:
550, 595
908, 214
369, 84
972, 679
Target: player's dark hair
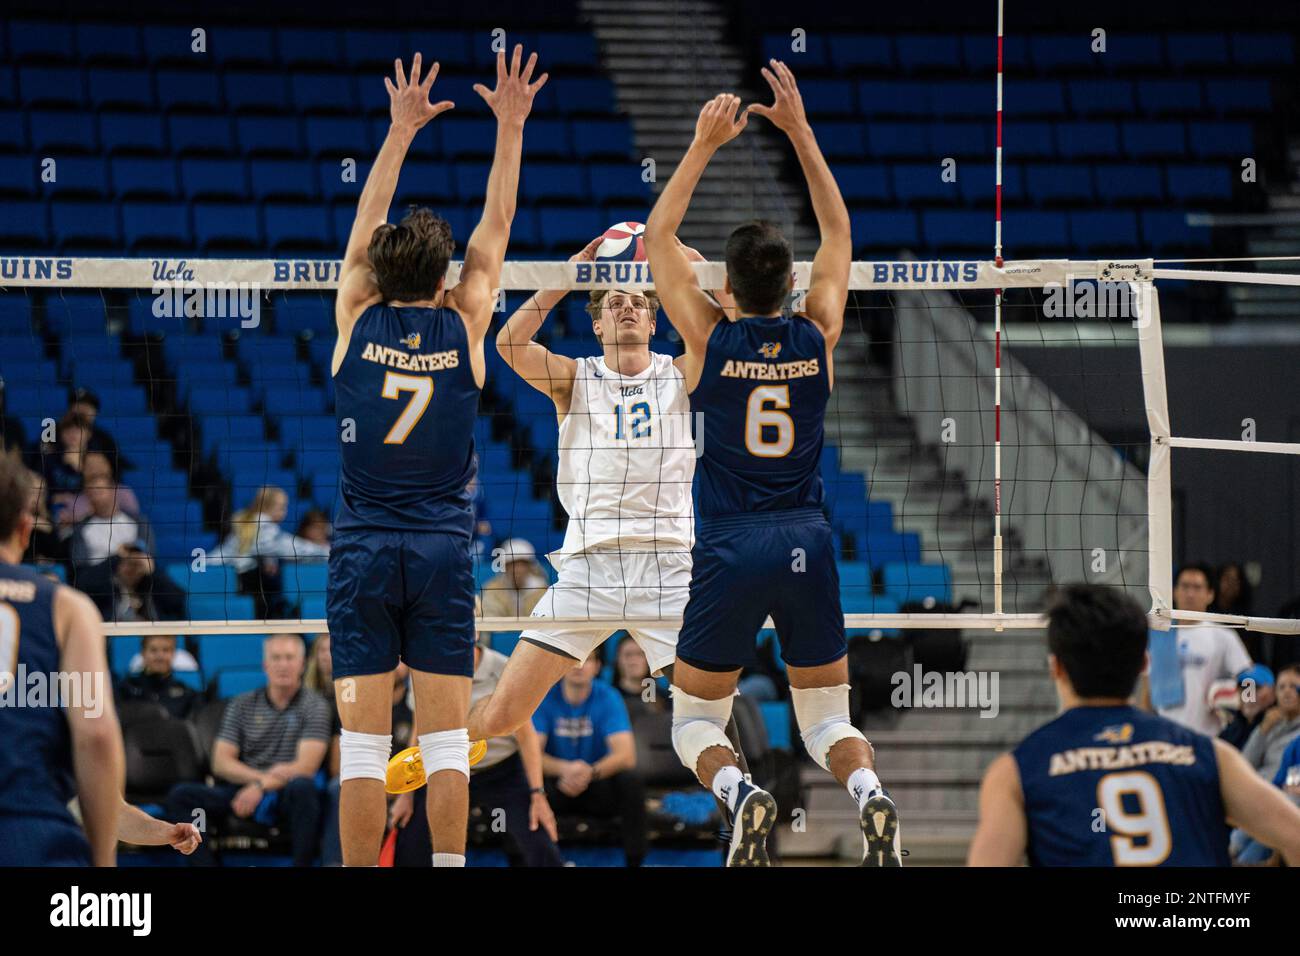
410, 259
1211, 581
1099, 636
759, 260
15, 490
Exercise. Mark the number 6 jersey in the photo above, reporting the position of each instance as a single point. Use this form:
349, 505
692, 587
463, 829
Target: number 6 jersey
405, 404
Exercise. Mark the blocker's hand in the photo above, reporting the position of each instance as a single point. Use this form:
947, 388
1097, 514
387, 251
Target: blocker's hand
588, 252
408, 101
786, 113
717, 123
512, 100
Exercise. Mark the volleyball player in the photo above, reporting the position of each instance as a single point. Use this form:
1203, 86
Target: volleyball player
626, 465
1106, 784
763, 546
408, 368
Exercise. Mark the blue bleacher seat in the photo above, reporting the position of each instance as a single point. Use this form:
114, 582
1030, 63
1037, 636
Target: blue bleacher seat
131, 133
898, 139
584, 94
117, 87
448, 47
24, 221
377, 47
1166, 230
1151, 139
231, 683
907, 581
780, 46
168, 43
946, 229
1197, 182
1034, 232
1134, 51
269, 135
246, 45
548, 138
1169, 96
154, 224
823, 97
908, 98
218, 652
1129, 182
299, 46
52, 130
220, 607
77, 224
1196, 49
51, 86
1101, 97
567, 49
1103, 229
926, 51
188, 89
82, 176
216, 224
592, 138
196, 133
298, 227
1059, 181
338, 136
1263, 49
323, 92
869, 181
282, 179
301, 579
1051, 54
1228, 139
121, 650
959, 139
884, 229
1237, 96
914, 182
1087, 138
135, 176
218, 400
108, 42
256, 90
1033, 98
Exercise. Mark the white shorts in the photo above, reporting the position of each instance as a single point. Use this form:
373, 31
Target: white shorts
616, 585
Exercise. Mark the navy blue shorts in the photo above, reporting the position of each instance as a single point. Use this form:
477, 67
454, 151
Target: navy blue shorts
30, 840
401, 595
748, 566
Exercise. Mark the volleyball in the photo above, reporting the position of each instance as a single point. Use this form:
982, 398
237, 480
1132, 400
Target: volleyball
623, 242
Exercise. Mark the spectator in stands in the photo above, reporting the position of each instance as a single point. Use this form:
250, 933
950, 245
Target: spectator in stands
157, 683
61, 462
97, 469
1279, 726
98, 536
85, 404
257, 544
632, 677
508, 779
1206, 653
315, 527
1255, 695
13, 437
1233, 595
47, 546
590, 756
267, 757
520, 585
130, 586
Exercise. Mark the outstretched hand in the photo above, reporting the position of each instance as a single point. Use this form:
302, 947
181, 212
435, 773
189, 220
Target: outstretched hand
408, 100
588, 252
512, 100
787, 112
717, 123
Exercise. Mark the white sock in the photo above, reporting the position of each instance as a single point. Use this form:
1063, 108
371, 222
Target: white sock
862, 784
448, 859
726, 785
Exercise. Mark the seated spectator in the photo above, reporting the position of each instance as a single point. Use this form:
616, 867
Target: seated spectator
99, 535
266, 758
257, 544
1206, 653
130, 586
47, 546
157, 683
1255, 696
520, 585
85, 403
315, 527
632, 677
61, 462
97, 469
589, 756
13, 437
508, 779
1278, 727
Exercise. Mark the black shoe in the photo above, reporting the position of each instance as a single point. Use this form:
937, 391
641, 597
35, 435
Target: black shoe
880, 832
753, 820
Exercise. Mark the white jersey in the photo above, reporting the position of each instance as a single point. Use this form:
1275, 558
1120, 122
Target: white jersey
627, 459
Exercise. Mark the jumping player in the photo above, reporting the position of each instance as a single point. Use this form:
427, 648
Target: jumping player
626, 465
763, 546
408, 368
1106, 784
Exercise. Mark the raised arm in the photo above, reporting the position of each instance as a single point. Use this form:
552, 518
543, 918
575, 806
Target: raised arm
828, 287
1255, 805
475, 294
687, 306
410, 110
537, 365
98, 760
1002, 834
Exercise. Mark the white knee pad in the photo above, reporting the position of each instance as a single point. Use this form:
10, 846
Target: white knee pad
445, 750
699, 724
364, 755
823, 717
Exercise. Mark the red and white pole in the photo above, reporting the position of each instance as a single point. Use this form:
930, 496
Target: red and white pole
997, 346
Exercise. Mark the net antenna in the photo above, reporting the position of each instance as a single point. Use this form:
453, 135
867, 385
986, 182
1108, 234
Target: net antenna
997, 344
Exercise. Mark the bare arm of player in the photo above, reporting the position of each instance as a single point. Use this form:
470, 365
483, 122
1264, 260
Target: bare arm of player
136, 827
687, 306
98, 759
530, 754
1002, 835
1256, 806
410, 110
828, 287
475, 294
550, 374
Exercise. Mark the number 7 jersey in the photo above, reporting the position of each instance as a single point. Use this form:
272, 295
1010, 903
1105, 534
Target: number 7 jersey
762, 397
405, 404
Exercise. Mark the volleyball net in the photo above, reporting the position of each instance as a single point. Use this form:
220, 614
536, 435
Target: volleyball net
979, 451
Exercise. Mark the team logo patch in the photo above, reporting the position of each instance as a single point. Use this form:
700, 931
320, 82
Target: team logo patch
412, 341
770, 349
1115, 734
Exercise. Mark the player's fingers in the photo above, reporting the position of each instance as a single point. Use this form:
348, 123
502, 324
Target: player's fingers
541, 81
401, 74
772, 81
433, 75
516, 58
415, 69
528, 67
787, 76
760, 109
392, 90
501, 66
482, 91
442, 106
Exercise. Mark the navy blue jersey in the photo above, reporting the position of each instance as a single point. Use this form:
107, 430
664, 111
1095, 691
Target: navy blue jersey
1155, 783
36, 777
407, 385
762, 399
